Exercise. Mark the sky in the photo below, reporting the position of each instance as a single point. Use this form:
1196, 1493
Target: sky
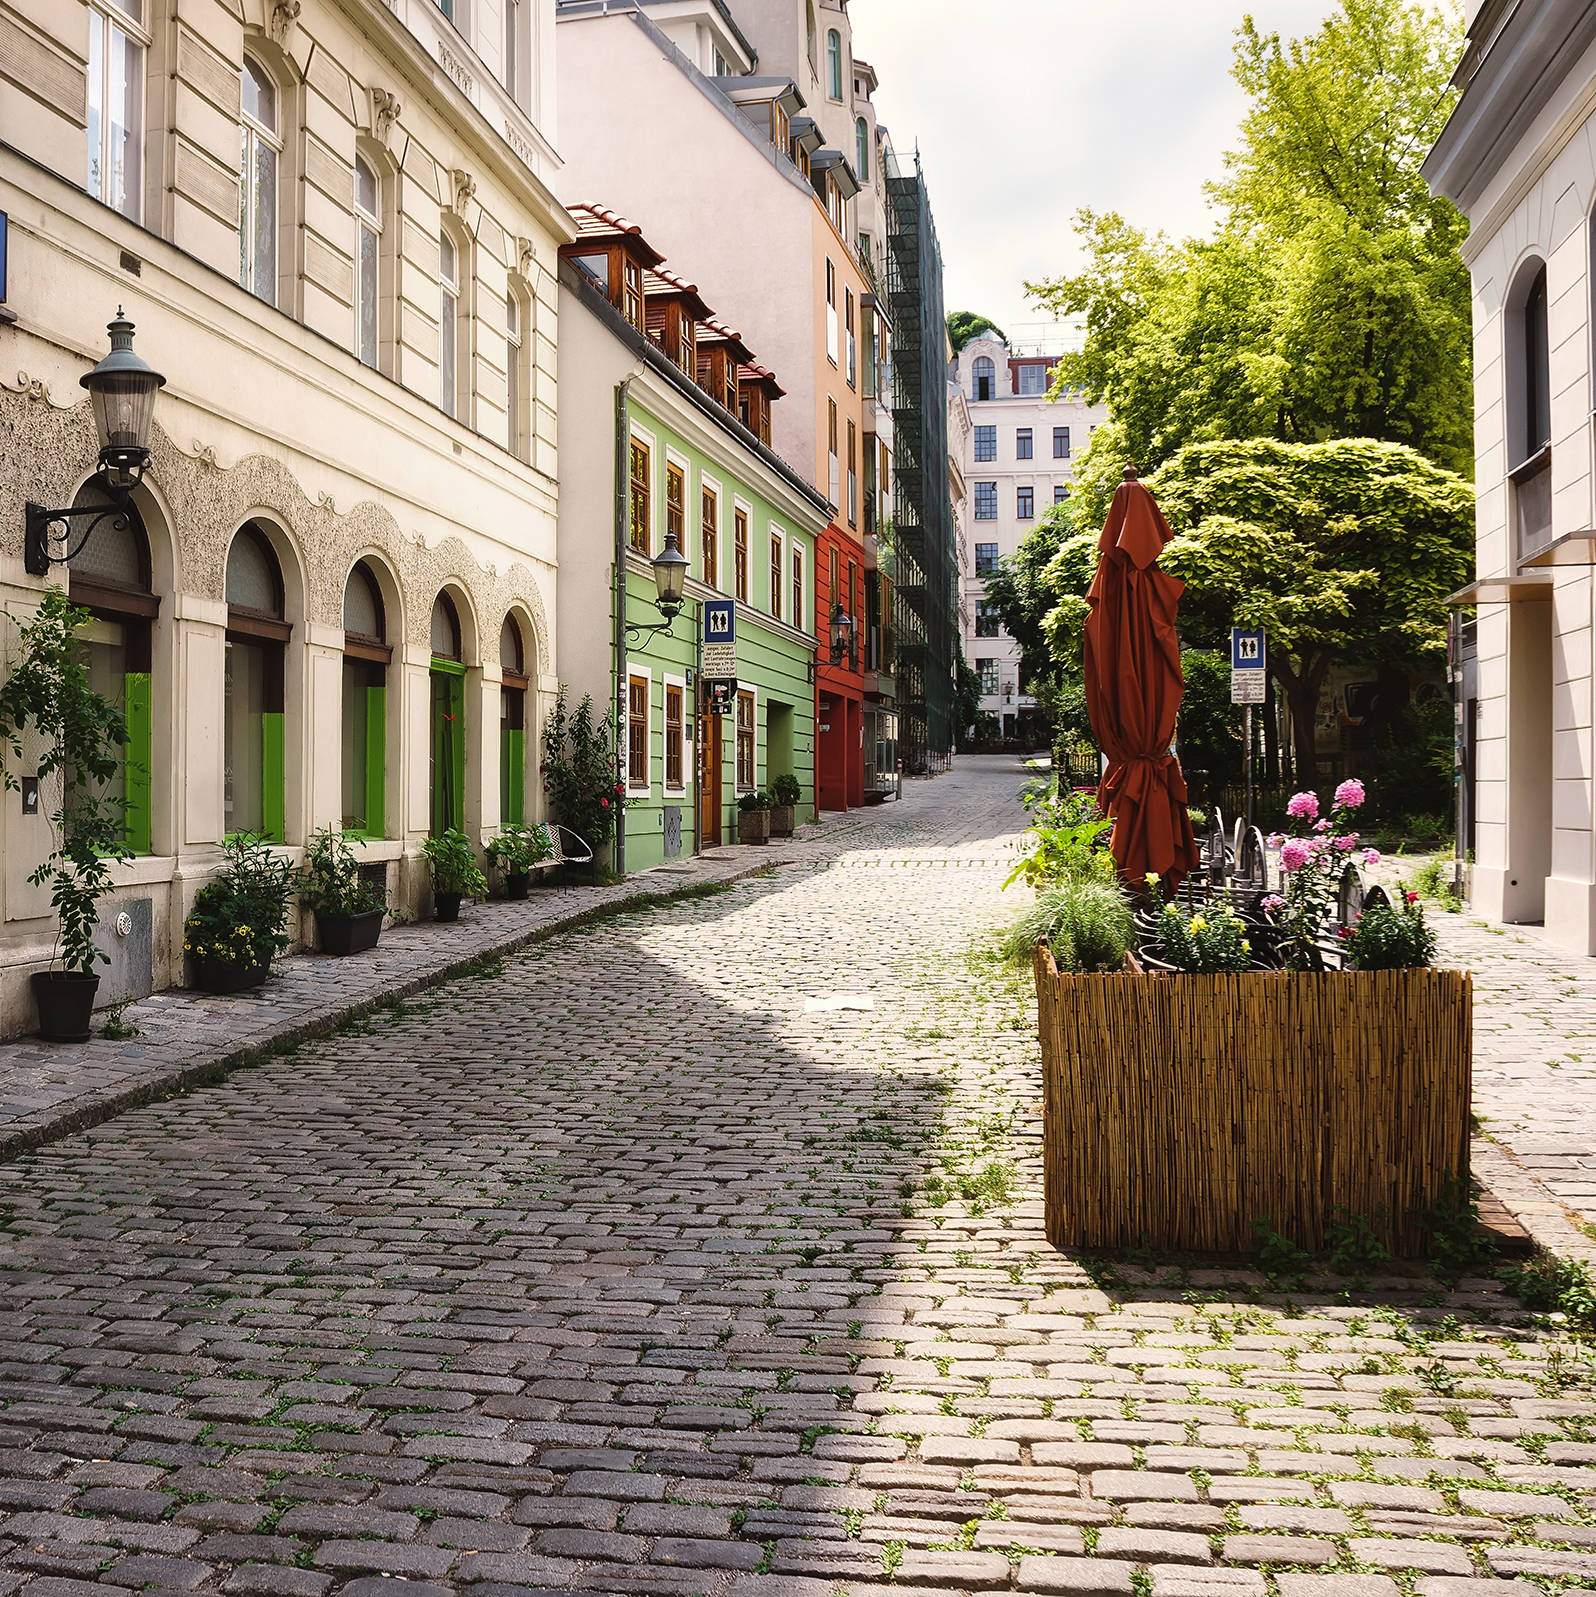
1044, 106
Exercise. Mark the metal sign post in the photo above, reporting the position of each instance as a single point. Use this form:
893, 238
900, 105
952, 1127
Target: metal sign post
1249, 685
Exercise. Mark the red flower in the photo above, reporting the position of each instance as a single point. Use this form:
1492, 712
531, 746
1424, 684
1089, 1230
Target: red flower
1412, 898
619, 788
605, 802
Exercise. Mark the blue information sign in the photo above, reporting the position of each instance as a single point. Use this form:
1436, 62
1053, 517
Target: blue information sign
1246, 650
720, 621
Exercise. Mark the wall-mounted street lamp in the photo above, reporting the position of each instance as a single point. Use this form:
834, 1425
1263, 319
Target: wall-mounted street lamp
122, 390
670, 588
842, 631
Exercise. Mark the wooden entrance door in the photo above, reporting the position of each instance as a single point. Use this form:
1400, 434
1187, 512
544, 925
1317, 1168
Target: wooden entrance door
709, 771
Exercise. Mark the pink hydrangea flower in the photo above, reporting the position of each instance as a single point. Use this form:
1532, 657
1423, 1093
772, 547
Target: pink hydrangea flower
1350, 794
1275, 839
1303, 806
1321, 826
1272, 902
1294, 853
1347, 842
1371, 856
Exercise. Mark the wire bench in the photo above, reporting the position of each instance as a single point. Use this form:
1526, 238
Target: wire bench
565, 847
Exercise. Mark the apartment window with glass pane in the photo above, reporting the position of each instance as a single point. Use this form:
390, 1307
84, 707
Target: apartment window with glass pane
745, 742
853, 475
989, 676
1022, 443
831, 313
1060, 493
512, 723
775, 575
641, 507
637, 733
986, 501
984, 375
368, 236
986, 559
260, 141
674, 735
519, 425
1025, 503
1033, 379
834, 473
986, 443
676, 504
1061, 443
861, 140
853, 342
709, 568
834, 64
986, 620
448, 322
740, 553
115, 107
796, 615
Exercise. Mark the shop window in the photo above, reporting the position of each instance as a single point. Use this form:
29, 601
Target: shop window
110, 578
512, 724
447, 743
367, 654
253, 714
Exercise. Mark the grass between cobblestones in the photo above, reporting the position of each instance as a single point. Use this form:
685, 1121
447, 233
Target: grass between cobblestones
638, 1266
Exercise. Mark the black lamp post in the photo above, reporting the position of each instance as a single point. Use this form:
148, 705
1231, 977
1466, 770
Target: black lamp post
122, 390
842, 628
670, 587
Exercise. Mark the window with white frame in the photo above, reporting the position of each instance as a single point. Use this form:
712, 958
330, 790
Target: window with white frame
368, 255
260, 148
518, 372
448, 324
1022, 443
796, 616
986, 501
986, 443
831, 313
637, 706
1033, 378
988, 623
675, 735
986, 559
989, 677
114, 103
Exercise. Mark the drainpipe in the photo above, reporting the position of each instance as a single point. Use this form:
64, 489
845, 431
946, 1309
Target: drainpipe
622, 478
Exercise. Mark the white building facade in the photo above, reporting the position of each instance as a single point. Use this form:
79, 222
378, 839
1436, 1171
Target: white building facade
1519, 157
1020, 449
332, 224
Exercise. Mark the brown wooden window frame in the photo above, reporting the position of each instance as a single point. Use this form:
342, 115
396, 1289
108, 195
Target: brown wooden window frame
778, 575
676, 507
637, 732
740, 552
797, 616
709, 535
675, 736
642, 497
747, 741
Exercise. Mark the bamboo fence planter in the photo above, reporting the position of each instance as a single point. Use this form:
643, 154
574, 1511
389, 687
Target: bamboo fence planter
1179, 1109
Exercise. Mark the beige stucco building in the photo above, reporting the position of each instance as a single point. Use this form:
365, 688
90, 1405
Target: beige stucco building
1518, 155
332, 222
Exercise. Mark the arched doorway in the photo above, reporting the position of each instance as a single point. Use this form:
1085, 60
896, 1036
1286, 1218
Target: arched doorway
367, 654
512, 724
252, 719
448, 728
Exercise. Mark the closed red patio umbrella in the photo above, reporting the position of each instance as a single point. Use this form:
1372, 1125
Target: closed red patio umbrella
1133, 692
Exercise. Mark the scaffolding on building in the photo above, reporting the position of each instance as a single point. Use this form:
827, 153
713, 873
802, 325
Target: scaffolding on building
925, 594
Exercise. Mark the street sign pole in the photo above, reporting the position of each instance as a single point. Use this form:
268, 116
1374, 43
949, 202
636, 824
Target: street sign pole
1249, 685
1247, 733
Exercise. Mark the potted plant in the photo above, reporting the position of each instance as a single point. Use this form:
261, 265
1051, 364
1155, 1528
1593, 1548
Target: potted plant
348, 912
515, 851
455, 873
753, 817
581, 771
236, 925
75, 736
784, 794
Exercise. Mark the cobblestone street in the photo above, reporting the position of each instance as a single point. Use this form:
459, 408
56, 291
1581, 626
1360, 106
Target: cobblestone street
651, 1260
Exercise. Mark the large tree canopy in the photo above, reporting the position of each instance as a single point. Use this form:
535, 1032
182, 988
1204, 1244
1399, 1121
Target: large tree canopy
1331, 300
1343, 551
965, 325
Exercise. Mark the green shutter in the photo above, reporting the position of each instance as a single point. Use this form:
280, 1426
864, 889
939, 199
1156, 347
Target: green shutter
376, 760
272, 780
512, 775
137, 760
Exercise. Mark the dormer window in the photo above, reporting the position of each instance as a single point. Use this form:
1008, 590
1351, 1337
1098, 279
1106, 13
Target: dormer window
597, 267
633, 309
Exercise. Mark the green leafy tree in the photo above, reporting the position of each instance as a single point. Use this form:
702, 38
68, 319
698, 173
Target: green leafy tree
965, 325
968, 695
1210, 725
1343, 551
582, 769
1019, 590
1330, 302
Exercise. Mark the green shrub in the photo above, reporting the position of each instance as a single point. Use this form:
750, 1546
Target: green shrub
1550, 1285
1088, 924
1070, 840
454, 865
759, 799
238, 915
1206, 941
518, 848
329, 880
1392, 937
785, 789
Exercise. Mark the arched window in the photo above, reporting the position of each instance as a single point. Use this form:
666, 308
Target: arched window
260, 144
448, 719
1537, 369
834, 64
368, 259
861, 138
252, 720
110, 578
512, 724
367, 654
984, 374
810, 47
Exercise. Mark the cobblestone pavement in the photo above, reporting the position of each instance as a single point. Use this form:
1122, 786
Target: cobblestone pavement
700, 1253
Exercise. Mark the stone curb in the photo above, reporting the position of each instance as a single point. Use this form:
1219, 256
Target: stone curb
96, 1107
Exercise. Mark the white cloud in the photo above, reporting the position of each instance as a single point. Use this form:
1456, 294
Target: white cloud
1027, 110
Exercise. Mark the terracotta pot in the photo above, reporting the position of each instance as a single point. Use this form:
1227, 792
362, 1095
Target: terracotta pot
66, 1004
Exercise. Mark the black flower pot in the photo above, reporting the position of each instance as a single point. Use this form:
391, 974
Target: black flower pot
516, 884
66, 1003
349, 934
230, 976
448, 906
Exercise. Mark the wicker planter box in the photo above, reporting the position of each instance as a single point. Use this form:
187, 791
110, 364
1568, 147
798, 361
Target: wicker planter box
1179, 1109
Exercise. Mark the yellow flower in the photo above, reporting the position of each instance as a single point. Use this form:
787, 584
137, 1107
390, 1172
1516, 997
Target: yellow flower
1152, 878
1246, 947
1198, 923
